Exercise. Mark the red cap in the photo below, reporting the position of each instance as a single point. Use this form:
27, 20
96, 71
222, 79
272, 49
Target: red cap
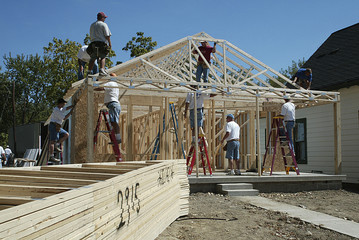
101, 15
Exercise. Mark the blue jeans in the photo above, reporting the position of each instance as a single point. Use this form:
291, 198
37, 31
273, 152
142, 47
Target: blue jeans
289, 127
80, 74
55, 136
200, 70
114, 111
199, 117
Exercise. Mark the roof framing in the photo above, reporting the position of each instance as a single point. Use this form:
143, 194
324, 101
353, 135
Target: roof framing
234, 73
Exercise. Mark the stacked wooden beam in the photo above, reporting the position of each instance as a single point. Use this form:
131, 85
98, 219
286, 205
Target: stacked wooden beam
127, 200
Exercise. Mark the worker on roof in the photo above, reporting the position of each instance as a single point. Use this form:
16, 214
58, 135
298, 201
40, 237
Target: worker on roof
100, 46
82, 58
303, 78
202, 68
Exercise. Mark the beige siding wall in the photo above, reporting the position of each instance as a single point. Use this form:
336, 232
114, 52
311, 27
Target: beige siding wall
320, 136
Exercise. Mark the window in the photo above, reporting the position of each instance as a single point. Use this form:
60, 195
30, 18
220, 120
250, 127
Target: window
300, 140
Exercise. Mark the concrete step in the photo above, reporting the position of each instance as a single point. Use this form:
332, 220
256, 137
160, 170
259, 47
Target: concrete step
234, 186
242, 192
237, 189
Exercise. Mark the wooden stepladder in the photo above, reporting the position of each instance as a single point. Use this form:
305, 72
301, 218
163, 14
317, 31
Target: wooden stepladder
203, 153
104, 113
280, 134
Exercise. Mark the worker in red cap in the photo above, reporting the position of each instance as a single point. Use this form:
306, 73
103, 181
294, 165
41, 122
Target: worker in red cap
100, 46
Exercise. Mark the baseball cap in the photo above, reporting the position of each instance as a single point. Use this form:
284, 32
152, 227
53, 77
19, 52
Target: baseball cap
101, 15
61, 100
230, 116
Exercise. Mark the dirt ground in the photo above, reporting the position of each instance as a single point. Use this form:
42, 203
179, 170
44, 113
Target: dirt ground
214, 216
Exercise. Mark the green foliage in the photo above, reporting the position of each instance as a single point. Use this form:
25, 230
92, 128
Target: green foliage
289, 72
60, 59
140, 45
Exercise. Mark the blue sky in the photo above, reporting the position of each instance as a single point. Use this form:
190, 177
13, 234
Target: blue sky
273, 31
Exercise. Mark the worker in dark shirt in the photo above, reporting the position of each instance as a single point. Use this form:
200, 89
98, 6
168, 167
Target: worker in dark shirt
303, 78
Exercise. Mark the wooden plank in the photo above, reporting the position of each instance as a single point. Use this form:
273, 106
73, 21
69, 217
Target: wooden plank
90, 120
337, 138
59, 174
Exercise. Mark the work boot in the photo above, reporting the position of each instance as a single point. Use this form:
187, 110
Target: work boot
103, 72
53, 159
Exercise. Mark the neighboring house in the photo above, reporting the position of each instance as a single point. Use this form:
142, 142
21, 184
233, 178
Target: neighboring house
335, 67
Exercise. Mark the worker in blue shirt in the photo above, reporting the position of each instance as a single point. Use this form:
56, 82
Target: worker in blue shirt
303, 78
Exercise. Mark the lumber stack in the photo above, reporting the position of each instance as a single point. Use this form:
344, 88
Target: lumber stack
125, 200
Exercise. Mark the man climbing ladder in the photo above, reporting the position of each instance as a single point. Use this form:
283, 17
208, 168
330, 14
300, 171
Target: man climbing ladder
104, 113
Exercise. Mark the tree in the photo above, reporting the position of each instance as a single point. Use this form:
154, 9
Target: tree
140, 45
289, 72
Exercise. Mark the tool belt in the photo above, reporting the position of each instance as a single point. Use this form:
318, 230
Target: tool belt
233, 140
98, 49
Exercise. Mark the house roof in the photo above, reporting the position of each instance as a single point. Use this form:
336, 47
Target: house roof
336, 62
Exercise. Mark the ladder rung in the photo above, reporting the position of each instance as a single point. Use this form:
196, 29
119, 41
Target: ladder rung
103, 131
290, 166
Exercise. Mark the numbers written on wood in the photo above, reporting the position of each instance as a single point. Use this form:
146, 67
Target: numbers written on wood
128, 199
165, 175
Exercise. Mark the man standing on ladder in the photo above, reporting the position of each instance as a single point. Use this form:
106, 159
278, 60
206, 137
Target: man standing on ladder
288, 112
56, 132
112, 93
232, 138
190, 104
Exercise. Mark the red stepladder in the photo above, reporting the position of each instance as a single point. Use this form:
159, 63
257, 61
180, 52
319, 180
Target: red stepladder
104, 113
280, 134
203, 153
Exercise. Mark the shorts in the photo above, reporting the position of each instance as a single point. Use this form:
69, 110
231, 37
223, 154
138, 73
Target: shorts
232, 150
54, 135
114, 111
98, 50
199, 117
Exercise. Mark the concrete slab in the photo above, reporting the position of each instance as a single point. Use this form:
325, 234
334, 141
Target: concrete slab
278, 182
346, 227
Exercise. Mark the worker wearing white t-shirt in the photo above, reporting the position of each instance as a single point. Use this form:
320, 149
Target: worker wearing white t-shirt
112, 102
288, 112
56, 133
200, 97
82, 58
232, 138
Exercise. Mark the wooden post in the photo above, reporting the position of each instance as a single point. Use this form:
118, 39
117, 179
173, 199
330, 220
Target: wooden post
190, 59
259, 162
196, 131
180, 130
90, 123
225, 161
337, 137
129, 145
166, 133
252, 139
162, 139
213, 136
